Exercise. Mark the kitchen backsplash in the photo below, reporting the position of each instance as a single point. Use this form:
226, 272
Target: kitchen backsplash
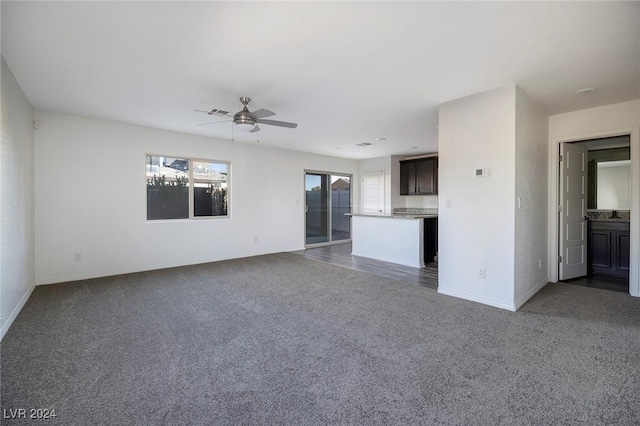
419, 201
606, 214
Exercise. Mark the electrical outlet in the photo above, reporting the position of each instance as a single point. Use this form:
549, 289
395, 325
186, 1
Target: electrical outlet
482, 273
77, 257
447, 203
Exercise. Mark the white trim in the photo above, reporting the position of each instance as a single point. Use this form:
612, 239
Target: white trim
6, 325
554, 160
524, 299
474, 298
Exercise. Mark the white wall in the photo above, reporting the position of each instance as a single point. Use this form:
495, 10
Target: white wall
595, 120
478, 230
531, 239
609, 120
90, 198
17, 208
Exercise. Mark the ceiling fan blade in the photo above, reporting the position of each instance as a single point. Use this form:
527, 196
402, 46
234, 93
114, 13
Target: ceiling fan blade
278, 123
255, 129
214, 111
214, 122
263, 113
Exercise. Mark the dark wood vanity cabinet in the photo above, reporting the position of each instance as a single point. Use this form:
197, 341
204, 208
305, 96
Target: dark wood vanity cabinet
419, 176
609, 243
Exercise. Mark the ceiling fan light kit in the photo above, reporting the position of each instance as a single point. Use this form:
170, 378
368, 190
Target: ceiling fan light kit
246, 120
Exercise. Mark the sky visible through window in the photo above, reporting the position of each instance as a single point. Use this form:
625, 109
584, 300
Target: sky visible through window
313, 181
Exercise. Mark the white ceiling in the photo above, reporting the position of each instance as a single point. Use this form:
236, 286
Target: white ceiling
347, 72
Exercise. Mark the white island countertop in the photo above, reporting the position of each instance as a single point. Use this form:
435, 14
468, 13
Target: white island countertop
397, 241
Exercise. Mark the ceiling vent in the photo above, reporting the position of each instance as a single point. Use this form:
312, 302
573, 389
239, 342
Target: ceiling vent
365, 144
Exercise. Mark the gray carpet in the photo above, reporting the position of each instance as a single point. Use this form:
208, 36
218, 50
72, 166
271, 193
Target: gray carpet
281, 339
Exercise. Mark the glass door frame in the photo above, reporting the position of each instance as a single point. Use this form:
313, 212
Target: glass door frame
329, 207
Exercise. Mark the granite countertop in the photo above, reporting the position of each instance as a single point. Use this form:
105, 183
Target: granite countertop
402, 213
394, 216
605, 215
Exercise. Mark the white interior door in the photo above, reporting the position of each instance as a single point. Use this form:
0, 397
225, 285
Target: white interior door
373, 192
573, 221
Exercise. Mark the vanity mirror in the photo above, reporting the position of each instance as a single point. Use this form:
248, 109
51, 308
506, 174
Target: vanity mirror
609, 179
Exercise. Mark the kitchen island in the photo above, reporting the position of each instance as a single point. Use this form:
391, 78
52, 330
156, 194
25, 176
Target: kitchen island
397, 238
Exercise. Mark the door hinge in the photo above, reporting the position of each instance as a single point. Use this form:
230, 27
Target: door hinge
560, 207
561, 158
559, 259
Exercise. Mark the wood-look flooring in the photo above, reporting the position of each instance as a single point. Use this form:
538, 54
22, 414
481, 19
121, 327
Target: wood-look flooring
602, 282
340, 255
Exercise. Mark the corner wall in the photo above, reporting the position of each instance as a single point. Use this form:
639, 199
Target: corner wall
478, 229
531, 240
17, 209
91, 199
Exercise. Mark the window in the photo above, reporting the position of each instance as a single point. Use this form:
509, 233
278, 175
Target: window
182, 188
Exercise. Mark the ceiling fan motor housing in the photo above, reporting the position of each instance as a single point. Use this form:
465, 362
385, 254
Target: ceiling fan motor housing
244, 117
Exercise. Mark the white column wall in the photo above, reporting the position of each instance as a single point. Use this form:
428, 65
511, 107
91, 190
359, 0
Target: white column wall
531, 240
17, 251
91, 198
478, 229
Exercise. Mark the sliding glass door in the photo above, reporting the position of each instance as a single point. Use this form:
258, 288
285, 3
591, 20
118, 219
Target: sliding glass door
327, 199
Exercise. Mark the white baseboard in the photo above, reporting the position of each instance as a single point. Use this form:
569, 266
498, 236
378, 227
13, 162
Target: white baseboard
135, 269
474, 298
6, 323
531, 293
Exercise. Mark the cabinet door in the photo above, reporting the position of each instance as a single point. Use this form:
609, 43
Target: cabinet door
609, 244
407, 177
623, 254
600, 251
426, 176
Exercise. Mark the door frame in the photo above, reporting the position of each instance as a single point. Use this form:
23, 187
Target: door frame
554, 200
304, 209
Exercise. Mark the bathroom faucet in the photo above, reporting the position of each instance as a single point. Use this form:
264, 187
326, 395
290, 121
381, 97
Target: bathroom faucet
614, 214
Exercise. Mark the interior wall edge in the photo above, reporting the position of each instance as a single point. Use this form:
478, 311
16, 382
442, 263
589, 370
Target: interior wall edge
6, 324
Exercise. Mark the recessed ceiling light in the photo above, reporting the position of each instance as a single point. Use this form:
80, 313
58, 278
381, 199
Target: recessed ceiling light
365, 144
414, 147
381, 139
586, 91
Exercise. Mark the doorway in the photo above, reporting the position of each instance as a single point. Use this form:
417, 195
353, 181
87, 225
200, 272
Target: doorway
594, 212
327, 201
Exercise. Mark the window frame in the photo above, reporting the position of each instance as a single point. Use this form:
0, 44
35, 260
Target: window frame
191, 186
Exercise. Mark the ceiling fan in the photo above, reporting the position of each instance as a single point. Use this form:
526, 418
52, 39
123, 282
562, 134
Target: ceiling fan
245, 119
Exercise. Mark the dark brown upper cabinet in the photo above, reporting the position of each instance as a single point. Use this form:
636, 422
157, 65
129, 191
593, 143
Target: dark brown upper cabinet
419, 176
